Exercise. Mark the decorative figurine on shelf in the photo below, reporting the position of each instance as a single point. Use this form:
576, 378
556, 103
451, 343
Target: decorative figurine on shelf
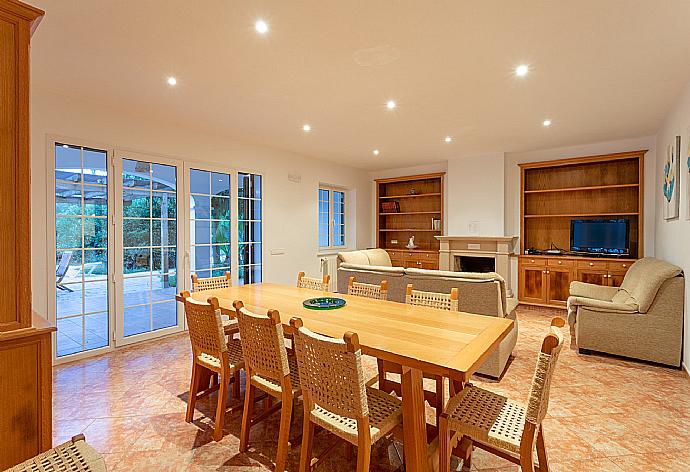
411, 244
413, 191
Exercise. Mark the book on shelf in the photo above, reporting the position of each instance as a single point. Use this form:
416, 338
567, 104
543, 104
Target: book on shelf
390, 207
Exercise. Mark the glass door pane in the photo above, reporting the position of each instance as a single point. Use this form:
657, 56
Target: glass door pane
149, 239
209, 229
81, 251
249, 228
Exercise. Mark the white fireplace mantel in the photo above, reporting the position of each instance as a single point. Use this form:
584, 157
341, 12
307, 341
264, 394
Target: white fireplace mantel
500, 248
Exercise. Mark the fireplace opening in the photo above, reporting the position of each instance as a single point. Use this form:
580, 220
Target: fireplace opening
475, 264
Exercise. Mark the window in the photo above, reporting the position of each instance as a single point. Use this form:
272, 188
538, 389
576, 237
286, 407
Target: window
331, 217
81, 249
249, 216
209, 231
149, 235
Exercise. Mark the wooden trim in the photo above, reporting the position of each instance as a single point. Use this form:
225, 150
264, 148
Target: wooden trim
583, 160
583, 215
411, 177
577, 189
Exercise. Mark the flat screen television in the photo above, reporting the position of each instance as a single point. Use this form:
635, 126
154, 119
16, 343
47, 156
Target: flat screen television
600, 236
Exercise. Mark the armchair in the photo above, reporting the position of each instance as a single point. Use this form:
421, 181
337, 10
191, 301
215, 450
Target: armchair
642, 319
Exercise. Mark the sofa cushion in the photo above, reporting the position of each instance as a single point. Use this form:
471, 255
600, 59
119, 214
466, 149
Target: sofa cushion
511, 304
378, 257
354, 257
643, 280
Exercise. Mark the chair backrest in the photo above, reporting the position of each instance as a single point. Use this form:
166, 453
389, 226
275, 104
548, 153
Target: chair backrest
210, 283
442, 301
313, 283
64, 264
538, 397
205, 326
263, 343
330, 372
379, 292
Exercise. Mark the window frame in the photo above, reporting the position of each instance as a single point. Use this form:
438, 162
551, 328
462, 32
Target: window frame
331, 189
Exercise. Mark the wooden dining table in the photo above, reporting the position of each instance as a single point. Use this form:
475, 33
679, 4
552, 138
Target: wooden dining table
421, 339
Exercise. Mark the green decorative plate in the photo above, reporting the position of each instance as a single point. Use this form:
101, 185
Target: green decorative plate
324, 303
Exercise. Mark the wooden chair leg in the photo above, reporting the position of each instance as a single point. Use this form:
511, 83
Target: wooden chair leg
541, 452
307, 444
284, 432
247, 413
236, 386
220, 409
382, 375
443, 444
466, 452
526, 461
363, 454
193, 389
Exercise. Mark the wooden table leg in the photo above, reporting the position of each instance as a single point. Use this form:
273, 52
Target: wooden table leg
414, 420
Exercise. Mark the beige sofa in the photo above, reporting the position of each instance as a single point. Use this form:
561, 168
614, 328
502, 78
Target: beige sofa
642, 319
483, 294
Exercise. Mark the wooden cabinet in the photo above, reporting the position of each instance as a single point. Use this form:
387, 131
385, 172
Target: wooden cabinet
545, 280
410, 206
414, 259
25, 338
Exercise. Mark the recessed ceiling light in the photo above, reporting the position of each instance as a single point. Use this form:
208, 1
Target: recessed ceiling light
448, 139
390, 104
376, 152
306, 128
172, 81
521, 70
261, 27
547, 122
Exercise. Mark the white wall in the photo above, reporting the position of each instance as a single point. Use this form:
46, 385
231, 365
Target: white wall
672, 236
475, 198
290, 209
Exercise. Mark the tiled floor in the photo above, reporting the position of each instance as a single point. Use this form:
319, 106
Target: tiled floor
605, 414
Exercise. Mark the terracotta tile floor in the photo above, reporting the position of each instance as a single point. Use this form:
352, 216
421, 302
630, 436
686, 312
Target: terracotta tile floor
605, 414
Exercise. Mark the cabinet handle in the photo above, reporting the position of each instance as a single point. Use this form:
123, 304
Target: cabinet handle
625, 265
560, 262
548, 271
543, 272
591, 264
531, 260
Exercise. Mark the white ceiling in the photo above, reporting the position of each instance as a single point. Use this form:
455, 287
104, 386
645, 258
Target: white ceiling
600, 69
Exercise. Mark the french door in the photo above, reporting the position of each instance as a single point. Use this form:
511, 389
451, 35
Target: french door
146, 275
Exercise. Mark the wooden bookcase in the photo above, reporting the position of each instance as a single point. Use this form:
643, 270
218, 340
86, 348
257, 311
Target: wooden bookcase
419, 200
555, 192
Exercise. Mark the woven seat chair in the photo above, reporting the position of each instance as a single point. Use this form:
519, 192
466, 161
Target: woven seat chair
313, 283
499, 425
336, 397
441, 301
269, 369
359, 289
210, 283
213, 283
72, 456
213, 356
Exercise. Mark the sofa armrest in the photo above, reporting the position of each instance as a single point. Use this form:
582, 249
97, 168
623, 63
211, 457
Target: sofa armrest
597, 292
593, 304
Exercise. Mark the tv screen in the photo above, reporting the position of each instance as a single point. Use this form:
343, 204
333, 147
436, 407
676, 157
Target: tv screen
600, 236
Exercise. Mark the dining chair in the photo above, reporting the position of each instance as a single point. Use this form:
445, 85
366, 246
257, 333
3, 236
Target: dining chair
441, 301
269, 369
501, 426
74, 455
210, 283
313, 283
336, 397
360, 289
212, 355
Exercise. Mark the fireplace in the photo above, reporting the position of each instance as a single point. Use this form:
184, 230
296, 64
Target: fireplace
475, 264
478, 254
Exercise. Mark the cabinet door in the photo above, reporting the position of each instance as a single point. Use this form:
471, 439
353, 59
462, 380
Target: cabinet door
593, 276
429, 265
558, 285
532, 284
615, 278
